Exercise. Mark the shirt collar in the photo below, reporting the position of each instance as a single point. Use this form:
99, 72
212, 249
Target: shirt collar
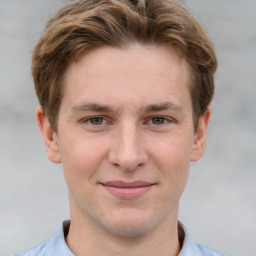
189, 247
59, 246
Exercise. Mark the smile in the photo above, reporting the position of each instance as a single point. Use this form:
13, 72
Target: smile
128, 190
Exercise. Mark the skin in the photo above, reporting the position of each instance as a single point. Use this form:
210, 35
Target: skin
126, 115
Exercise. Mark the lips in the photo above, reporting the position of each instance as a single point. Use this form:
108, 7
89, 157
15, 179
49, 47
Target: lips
128, 190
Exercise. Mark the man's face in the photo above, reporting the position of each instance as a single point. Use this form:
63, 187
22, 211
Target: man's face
125, 137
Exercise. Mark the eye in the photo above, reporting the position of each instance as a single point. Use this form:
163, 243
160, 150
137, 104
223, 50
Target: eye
96, 120
158, 120
96, 123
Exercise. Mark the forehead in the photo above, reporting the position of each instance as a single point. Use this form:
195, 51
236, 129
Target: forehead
137, 72
159, 59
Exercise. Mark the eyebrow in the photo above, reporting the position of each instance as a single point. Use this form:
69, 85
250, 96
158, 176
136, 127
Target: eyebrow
162, 106
95, 107
91, 107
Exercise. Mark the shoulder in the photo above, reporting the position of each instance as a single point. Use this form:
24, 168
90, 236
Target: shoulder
205, 251
40, 250
191, 248
53, 247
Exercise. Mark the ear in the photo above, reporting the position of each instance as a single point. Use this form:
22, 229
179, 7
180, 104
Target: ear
200, 136
50, 137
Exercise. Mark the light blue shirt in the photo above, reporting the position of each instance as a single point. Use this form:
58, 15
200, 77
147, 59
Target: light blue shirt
58, 247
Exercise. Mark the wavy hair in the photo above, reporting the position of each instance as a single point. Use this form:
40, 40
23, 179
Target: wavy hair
86, 24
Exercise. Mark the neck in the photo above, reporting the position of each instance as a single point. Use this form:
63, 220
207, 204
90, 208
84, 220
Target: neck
84, 239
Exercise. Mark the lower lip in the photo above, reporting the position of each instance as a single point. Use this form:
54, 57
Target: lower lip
128, 193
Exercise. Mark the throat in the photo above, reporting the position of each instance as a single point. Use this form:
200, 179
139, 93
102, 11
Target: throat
147, 245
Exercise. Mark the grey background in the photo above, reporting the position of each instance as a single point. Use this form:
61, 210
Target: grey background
219, 203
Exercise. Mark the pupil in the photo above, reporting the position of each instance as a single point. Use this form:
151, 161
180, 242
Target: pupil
96, 120
158, 120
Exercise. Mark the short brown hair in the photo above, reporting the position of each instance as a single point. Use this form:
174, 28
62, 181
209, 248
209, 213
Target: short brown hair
86, 24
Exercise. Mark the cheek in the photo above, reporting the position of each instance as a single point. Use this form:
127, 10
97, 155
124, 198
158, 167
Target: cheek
175, 169
173, 160
81, 158
173, 151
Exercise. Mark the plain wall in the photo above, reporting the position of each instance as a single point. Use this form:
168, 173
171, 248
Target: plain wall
219, 203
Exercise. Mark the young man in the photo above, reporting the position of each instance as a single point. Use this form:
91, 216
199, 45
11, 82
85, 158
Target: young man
124, 90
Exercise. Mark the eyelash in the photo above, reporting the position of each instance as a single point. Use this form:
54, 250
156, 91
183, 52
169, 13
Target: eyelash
105, 121
164, 119
89, 120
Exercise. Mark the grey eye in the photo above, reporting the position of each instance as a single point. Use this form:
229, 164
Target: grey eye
158, 120
96, 120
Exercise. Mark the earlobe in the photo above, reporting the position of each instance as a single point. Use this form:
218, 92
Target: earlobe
200, 136
49, 136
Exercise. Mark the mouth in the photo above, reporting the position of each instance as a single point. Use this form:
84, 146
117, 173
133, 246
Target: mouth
128, 190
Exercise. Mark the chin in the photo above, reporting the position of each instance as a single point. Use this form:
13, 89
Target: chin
130, 230
129, 224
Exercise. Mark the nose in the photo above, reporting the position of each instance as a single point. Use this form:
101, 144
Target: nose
127, 150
